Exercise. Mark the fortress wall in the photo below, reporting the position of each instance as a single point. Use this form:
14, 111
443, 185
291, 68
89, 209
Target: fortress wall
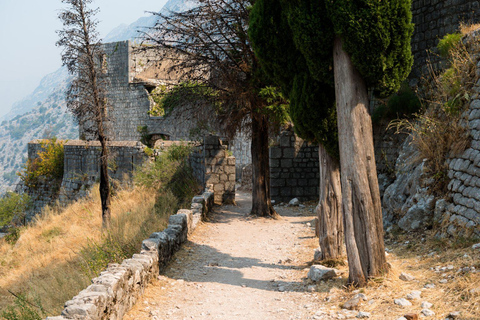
433, 19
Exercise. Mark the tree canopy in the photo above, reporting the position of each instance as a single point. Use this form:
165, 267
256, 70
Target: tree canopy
312, 101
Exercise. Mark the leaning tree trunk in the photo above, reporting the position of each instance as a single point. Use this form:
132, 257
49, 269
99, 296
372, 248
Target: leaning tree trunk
361, 195
261, 201
329, 209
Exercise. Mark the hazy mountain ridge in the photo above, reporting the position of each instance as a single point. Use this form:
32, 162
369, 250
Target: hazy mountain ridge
43, 113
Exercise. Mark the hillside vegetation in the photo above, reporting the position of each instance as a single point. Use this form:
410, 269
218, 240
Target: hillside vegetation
56, 256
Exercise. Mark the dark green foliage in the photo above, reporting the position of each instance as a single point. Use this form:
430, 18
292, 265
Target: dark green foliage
312, 102
377, 36
402, 104
273, 45
312, 108
312, 34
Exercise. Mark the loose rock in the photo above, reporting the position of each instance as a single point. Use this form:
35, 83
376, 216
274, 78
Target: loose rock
453, 315
414, 295
351, 304
363, 314
426, 305
318, 272
406, 277
428, 313
294, 202
402, 302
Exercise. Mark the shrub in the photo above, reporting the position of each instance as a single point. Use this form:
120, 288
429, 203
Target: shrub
404, 103
440, 132
449, 43
48, 164
170, 172
166, 100
13, 205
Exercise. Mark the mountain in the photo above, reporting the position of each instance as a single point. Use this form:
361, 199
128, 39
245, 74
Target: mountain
43, 113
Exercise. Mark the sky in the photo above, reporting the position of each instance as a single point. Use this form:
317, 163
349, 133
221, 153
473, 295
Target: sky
27, 39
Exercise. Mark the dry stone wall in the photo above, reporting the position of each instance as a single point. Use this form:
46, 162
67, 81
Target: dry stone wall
117, 288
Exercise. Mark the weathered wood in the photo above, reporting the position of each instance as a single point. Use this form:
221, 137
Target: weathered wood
361, 195
261, 201
329, 209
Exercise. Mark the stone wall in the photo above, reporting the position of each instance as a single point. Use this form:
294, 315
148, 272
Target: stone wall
82, 165
433, 19
462, 214
117, 289
294, 169
219, 170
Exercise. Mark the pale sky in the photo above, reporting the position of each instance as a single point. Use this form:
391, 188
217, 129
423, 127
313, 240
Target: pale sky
27, 39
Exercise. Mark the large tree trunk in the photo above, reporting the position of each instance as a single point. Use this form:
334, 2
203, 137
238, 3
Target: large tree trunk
261, 201
104, 185
329, 209
361, 196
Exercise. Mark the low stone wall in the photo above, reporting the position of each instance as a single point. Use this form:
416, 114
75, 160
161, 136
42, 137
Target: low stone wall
117, 289
82, 165
294, 171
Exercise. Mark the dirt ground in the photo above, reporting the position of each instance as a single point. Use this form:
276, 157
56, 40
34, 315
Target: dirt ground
237, 267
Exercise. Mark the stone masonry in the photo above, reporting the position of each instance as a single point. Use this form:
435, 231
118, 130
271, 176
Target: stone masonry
294, 171
462, 214
433, 19
82, 165
117, 288
219, 170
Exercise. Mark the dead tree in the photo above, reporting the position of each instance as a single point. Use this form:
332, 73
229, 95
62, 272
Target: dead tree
86, 94
209, 45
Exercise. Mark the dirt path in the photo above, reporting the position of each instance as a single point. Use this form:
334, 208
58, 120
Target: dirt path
235, 267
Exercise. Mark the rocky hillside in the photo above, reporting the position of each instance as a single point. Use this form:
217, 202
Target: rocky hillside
48, 118
43, 113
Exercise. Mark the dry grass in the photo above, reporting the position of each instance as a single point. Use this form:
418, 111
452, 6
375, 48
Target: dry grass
46, 262
460, 293
441, 131
467, 28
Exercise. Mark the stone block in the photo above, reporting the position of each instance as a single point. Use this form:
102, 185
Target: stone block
219, 187
289, 153
275, 153
286, 163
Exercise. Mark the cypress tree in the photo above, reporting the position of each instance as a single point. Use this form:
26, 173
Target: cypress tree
368, 42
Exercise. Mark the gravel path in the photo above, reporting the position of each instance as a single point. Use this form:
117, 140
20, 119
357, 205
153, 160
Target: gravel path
236, 267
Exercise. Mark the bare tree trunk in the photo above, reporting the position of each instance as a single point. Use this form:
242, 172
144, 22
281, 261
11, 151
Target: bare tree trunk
329, 209
104, 184
261, 201
361, 195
